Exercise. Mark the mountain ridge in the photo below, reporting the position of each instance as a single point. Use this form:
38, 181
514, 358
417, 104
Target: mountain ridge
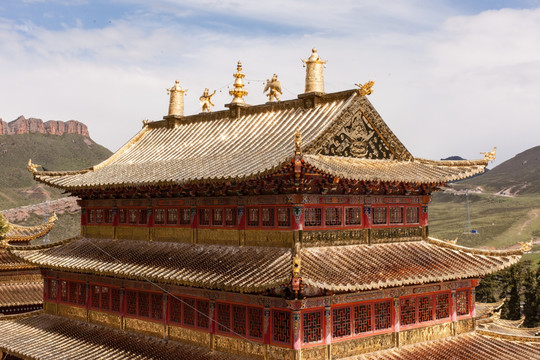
23, 125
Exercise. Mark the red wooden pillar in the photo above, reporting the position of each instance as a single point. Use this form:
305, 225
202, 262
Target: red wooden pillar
297, 329
297, 217
266, 325
397, 315
328, 324
454, 306
212, 316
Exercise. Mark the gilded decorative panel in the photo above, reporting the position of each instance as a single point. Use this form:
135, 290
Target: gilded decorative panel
334, 237
218, 236
315, 353
72, 311
189, 336
279, 353
269, 238
172, 234
239, 346
105, 319
132, 232
427, 333
101, 231
463, 326
49, 307
387, 235
144, 327
363, 345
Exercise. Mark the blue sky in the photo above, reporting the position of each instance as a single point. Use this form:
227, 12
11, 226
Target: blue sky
451, 77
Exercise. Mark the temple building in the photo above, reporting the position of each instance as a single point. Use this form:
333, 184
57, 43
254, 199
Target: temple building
294, 229
21, 284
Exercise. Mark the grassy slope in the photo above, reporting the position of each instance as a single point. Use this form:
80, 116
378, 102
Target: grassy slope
66, 152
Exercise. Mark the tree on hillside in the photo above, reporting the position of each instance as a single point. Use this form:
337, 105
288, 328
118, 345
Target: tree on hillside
531, 306
511, 309
485, 292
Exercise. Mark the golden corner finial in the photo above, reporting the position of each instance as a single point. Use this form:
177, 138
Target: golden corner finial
206, 100
526, 246
298, 142
296, 266
53, 218
238, 92
453, 242
32, 167
365, 89
274, 88
490, 156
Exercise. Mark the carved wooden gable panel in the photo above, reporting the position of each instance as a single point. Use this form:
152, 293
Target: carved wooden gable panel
359, 132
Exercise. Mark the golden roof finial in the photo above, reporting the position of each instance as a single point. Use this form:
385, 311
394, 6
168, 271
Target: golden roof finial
238, 92
453, 242
296, 266
206, 100
53, 218
274, 88
526, 246
176, 102
314, 73
490, 156
32, 167
365, 89
298, 142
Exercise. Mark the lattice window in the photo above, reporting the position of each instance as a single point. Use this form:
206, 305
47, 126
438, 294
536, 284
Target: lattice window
224, 317
116, 300
217, 217
341, 322
425, 308
312, 326
109, 216
172, 216
312, 217
284, 217
175, 309
73, 292
204, 217
332, 216
413, 215
92, 216
105, 298
159, 216
132, 216
143, 216
144, 304
131, 302
253, 217
203, 308
462, 302
396, 215
99, 216
63, 291
96, 295
52, 289
383, 315
156, 306
442, 306
122, 216
353, 216
239, 319
281, 326
81, 289
230, 217
185, 216
267, 217
408, 311
189, 311
362, 318
255, 322
379, 215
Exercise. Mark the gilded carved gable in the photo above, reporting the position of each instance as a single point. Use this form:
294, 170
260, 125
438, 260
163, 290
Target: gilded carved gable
359, 132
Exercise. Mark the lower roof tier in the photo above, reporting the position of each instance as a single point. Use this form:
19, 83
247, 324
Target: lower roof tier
49, 337
21, 290
255, 269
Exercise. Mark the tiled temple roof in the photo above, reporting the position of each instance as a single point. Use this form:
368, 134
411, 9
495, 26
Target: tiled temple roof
21, 290
17, 233
343, 135
48, 337
463, 347
10, 262
252, 269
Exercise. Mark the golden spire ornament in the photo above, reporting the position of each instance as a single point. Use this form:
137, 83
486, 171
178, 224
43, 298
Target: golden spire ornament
238, 92
176, 101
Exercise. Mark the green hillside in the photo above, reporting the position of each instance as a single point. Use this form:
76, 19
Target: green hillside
53, 152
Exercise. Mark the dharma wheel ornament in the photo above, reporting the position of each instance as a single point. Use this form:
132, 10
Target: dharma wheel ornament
238, 92
274, 89
206, 100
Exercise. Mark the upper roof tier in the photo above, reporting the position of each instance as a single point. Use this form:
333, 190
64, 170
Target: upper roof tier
342, 135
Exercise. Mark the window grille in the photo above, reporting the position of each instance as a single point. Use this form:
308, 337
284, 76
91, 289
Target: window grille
413, 215
396, 215
230, 217
239, 319
116, 300
185, 216
81, 293
362, 318
96, 295
143, 214
217, 217
132, 216
172, 216
353, 216
442, 307
379, 215
159, 216
156, 305
255, 322
105, 298
253, 217
204, 217
122, 216
281, 327
175, 310
144, 304
383, 315
52, 289
425, 309
408, 311
188, 311
203, 309
332, 217
341, 322
312, 217
99, 216
312, 326
131, 302
92, 216
462, 302
284, 217
73, 292
267, 217
224, 317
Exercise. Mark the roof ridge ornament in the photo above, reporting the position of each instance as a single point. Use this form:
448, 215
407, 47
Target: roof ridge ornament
365, 89
32, 167
490, 156
176, 101
238, 92
206, 100
526, 246
274, 88
298, 142
314, 73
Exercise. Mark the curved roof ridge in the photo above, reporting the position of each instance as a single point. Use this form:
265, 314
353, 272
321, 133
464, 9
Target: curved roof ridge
448, 245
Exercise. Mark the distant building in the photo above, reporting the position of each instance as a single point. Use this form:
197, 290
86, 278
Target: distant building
294, 229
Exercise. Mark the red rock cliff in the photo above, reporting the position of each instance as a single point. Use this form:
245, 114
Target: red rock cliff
21, 125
